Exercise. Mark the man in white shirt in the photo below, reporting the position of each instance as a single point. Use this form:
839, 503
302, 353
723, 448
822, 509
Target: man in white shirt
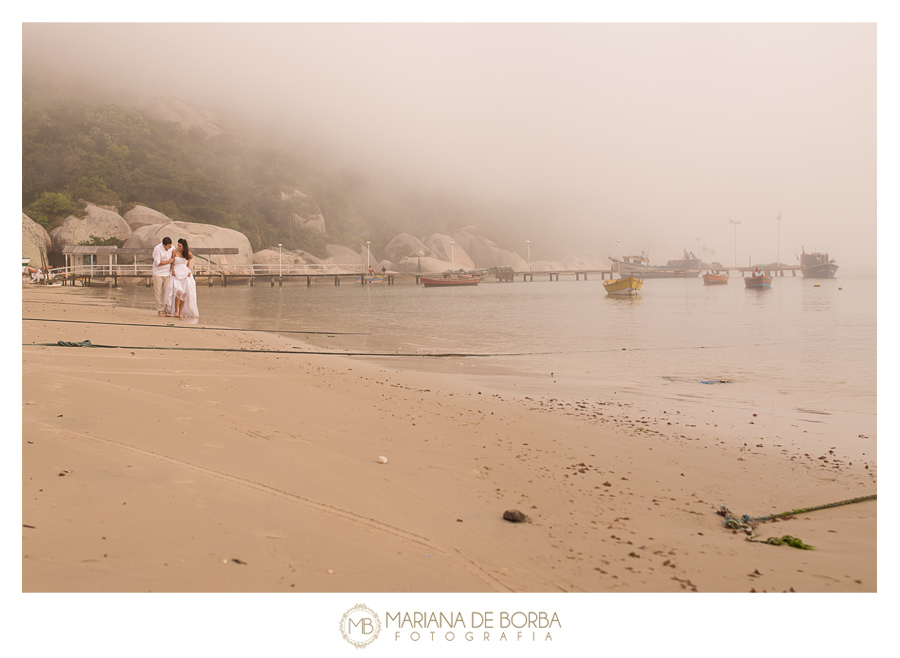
162, 261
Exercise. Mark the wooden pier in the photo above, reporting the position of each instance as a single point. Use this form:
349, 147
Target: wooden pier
553, 275
211, 273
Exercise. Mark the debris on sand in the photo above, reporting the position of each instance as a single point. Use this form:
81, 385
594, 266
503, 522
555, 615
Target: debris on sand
515, 516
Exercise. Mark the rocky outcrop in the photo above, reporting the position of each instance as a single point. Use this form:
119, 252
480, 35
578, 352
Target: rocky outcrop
296, 194
34, 238
312, 221
276, 261
272, 257
423, 265
387, 265
197, 235
98, 221
436, 254
485, 253
583, 263
304, 212
143, 216
344, 255
455, 254
406, 246
186, 116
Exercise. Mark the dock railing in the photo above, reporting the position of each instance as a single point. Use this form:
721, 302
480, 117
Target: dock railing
207, 269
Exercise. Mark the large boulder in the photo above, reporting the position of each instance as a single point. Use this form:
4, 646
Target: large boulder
344, 256
98, 221
273, 257
485, 253
406, 246
276, 260
143, 216
455, 254
387, 265
34, 238
424, 265
583, 263
197, 235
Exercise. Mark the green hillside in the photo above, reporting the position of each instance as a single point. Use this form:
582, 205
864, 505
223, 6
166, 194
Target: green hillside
112, 154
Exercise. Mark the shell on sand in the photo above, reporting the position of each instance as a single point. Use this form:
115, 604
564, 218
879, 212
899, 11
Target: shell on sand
382, 460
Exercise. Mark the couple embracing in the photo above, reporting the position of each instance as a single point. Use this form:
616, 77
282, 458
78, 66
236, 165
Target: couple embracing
173, 282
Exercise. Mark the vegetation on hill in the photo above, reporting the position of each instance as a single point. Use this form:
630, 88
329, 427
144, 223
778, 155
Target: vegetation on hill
77, 151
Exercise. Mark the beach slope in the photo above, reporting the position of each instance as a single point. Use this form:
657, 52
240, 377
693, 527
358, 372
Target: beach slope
186, 458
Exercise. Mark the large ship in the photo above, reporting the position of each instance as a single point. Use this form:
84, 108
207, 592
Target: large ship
817, 266
688, 266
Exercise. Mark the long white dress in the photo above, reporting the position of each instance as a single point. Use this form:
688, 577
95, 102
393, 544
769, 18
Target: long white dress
182, 286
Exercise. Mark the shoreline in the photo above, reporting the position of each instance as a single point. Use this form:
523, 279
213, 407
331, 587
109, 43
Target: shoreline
275, 484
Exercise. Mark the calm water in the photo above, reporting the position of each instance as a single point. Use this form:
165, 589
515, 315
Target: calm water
796, 351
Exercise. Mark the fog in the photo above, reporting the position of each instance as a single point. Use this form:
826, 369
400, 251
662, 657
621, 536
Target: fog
649, 134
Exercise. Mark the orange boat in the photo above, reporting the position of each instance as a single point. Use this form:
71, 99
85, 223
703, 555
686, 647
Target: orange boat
715, 278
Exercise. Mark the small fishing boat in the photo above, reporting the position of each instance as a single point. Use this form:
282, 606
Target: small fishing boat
450, 281
758, 280
371, 279
715, 278
628, 287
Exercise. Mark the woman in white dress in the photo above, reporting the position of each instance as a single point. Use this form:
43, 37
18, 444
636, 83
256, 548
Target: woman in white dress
181, 295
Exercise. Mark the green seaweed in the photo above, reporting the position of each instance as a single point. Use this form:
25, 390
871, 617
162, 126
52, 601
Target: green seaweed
790, 541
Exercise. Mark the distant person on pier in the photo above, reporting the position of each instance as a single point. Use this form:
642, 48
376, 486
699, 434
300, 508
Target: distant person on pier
371, 270
162, 268
383, 270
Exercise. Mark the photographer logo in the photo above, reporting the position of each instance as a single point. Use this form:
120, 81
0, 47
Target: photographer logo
360, 626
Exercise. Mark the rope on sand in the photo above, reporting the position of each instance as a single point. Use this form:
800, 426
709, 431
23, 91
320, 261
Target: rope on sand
748, 524
175, 326
87, 343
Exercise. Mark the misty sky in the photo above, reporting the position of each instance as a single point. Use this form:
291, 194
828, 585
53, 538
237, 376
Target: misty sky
654, 134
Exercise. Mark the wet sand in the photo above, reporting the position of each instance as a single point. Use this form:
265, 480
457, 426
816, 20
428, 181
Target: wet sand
213, 471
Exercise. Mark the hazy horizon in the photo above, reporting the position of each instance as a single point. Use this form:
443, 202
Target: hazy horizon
651, 134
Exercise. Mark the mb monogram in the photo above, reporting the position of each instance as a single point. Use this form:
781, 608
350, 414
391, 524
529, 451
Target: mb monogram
360, 626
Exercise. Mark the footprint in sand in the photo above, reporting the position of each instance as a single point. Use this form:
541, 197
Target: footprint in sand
254, 408
193, 388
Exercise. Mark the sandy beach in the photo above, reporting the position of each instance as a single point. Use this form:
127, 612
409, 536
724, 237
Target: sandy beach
201, 470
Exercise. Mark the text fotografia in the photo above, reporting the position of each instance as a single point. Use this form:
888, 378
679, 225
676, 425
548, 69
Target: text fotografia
481, 626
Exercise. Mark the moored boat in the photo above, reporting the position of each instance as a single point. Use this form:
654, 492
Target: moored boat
450, 281
626, 287
688, 266
817, 265
715, 278
758, 280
